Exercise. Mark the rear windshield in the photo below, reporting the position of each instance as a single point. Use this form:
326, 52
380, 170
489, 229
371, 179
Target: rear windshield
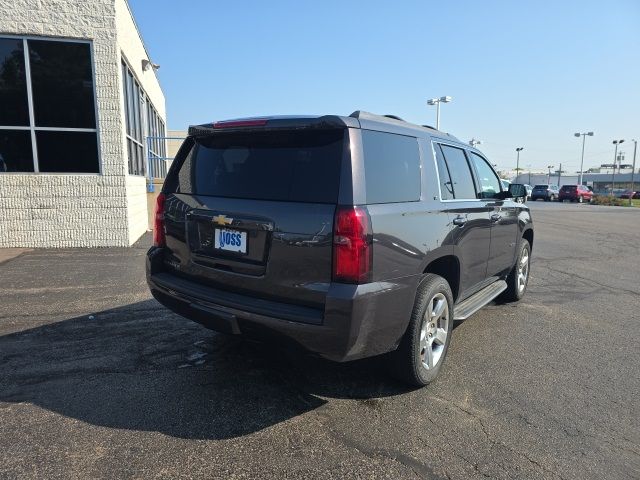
569, 187
295, 166
541, 186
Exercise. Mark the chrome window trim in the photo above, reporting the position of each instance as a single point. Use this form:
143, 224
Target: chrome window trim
433, 151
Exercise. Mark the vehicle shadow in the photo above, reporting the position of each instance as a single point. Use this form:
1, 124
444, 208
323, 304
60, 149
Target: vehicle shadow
140, 367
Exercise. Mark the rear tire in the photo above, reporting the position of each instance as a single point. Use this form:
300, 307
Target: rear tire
518, 278
422, 350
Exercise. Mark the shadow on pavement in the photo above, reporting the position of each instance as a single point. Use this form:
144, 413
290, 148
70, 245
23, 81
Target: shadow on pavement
139, 367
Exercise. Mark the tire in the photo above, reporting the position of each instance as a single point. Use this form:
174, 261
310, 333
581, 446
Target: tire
553, 198
580, 199
516, 285
428, 335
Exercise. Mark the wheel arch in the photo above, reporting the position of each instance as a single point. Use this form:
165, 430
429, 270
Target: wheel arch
528, 236
448, 267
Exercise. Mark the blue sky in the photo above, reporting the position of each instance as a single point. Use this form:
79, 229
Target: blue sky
521, 73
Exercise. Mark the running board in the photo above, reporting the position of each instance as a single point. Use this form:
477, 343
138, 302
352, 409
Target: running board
475, 302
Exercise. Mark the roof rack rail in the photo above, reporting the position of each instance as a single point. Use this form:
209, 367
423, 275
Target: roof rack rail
361, 114
374, 116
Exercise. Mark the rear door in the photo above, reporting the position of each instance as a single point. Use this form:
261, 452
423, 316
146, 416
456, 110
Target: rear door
504, 218
252, 211
470, 216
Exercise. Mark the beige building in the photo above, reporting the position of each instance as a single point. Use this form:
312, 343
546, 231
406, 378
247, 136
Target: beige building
176, 137
78, 101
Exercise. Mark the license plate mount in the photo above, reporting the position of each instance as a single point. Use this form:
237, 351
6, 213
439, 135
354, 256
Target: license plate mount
230, 240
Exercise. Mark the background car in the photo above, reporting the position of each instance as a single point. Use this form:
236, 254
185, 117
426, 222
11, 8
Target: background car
529, 189
575, 193
545, 192
629, 194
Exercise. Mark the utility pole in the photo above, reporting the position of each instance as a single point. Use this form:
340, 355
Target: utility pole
584, 136
633, 170
437, 102
615, 159
518, 150
559, 175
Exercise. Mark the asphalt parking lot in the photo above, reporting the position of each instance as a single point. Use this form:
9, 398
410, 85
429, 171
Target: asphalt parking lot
97, 380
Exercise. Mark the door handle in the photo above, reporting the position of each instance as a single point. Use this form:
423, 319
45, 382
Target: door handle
460, 220
496, 217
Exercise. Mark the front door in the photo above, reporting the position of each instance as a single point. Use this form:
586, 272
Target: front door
503, 217
470, 217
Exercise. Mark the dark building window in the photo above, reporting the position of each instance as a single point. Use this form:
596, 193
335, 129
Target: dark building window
14, 109
142, 122
47, 107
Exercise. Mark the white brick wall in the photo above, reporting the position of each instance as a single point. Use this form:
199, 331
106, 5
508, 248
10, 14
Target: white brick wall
65, 210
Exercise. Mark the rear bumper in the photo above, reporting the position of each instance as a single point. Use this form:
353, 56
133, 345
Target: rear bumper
572, 196
357, 320
537, 196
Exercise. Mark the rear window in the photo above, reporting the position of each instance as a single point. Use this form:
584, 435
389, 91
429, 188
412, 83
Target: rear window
568, 187
540, 187
391, 167
300, 166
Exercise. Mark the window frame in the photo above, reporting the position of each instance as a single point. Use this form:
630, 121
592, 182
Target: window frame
472, 170
32, 128
137, 103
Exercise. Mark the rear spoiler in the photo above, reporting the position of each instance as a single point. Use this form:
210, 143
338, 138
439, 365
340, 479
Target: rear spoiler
273, 123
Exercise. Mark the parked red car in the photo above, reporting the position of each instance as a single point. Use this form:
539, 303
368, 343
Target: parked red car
575, 193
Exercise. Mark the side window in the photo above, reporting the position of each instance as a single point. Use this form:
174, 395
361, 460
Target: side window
460, 172
446, 186
392, 167
489, 182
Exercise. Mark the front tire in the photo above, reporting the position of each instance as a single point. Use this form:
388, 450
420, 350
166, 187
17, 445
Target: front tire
580, 199
518, 278
422, 350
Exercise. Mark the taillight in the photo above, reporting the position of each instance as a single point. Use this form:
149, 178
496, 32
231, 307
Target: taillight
352, 245
158, 222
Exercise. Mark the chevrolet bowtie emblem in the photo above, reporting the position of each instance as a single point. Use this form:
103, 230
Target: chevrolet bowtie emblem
222, 220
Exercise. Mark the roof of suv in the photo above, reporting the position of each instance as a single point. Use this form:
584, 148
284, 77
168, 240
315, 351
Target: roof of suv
358, 119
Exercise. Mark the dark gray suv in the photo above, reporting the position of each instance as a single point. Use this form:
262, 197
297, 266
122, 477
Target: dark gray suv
350, 236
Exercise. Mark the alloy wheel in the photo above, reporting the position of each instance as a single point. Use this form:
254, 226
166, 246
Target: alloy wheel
434, 331
523, 271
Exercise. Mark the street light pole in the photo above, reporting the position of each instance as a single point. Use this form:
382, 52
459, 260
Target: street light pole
549, 175
584, 136
633, 170
437, 102
615, 159
518, 150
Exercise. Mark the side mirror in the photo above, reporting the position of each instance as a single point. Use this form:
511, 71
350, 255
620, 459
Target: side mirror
518, 191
